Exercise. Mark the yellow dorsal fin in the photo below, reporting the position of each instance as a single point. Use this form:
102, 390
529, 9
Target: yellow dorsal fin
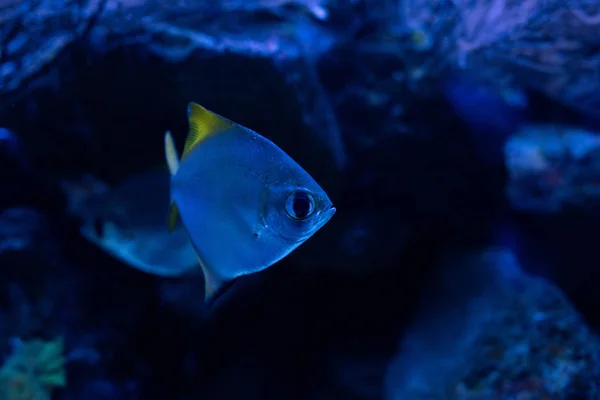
203, 124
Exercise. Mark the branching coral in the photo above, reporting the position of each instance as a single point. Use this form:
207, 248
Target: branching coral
33, 371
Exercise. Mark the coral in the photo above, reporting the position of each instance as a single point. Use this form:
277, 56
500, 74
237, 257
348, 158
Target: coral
33, 371
34, 33
491, 331
318, 8
542, 45
551, 166
354, 91
38, 34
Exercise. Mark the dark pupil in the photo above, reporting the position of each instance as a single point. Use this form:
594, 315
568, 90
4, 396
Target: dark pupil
301, 205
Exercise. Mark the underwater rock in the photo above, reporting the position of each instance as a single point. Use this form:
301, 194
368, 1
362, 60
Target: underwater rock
490, 117
553, 166
357, 377
32, 300
541, 45
25, 230
16, 175
411, 175
252, 62
103, 103
53, 286
105, 80
488, 330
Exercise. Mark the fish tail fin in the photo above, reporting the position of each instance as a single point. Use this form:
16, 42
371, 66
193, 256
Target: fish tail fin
171, 153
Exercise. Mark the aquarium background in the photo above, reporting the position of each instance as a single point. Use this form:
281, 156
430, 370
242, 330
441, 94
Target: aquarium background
458, 140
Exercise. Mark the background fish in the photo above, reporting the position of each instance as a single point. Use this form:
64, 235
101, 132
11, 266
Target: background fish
130, 223
245, 203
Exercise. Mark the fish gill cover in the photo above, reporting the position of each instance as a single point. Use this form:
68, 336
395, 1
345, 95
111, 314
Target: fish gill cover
458, 141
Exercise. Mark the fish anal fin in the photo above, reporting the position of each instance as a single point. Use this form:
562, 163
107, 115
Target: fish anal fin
173, 216
203, 124
214, 285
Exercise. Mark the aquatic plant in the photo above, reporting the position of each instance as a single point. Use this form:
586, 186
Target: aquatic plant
34, 369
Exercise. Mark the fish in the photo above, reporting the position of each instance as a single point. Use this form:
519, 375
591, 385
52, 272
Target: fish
128, 222
244, 202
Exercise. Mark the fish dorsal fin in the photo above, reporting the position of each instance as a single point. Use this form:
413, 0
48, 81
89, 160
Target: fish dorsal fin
171, 153
203, 124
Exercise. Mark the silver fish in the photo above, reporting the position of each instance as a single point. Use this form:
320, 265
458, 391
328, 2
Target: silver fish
129, 222
244, 202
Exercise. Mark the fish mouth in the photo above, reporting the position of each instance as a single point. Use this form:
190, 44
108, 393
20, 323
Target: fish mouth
327, 213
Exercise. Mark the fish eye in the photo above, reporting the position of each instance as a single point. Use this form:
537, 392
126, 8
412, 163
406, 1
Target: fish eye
300, 205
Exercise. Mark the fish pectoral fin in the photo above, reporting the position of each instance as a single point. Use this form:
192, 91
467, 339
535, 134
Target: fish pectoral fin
173, 216
171, 153
203, 124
